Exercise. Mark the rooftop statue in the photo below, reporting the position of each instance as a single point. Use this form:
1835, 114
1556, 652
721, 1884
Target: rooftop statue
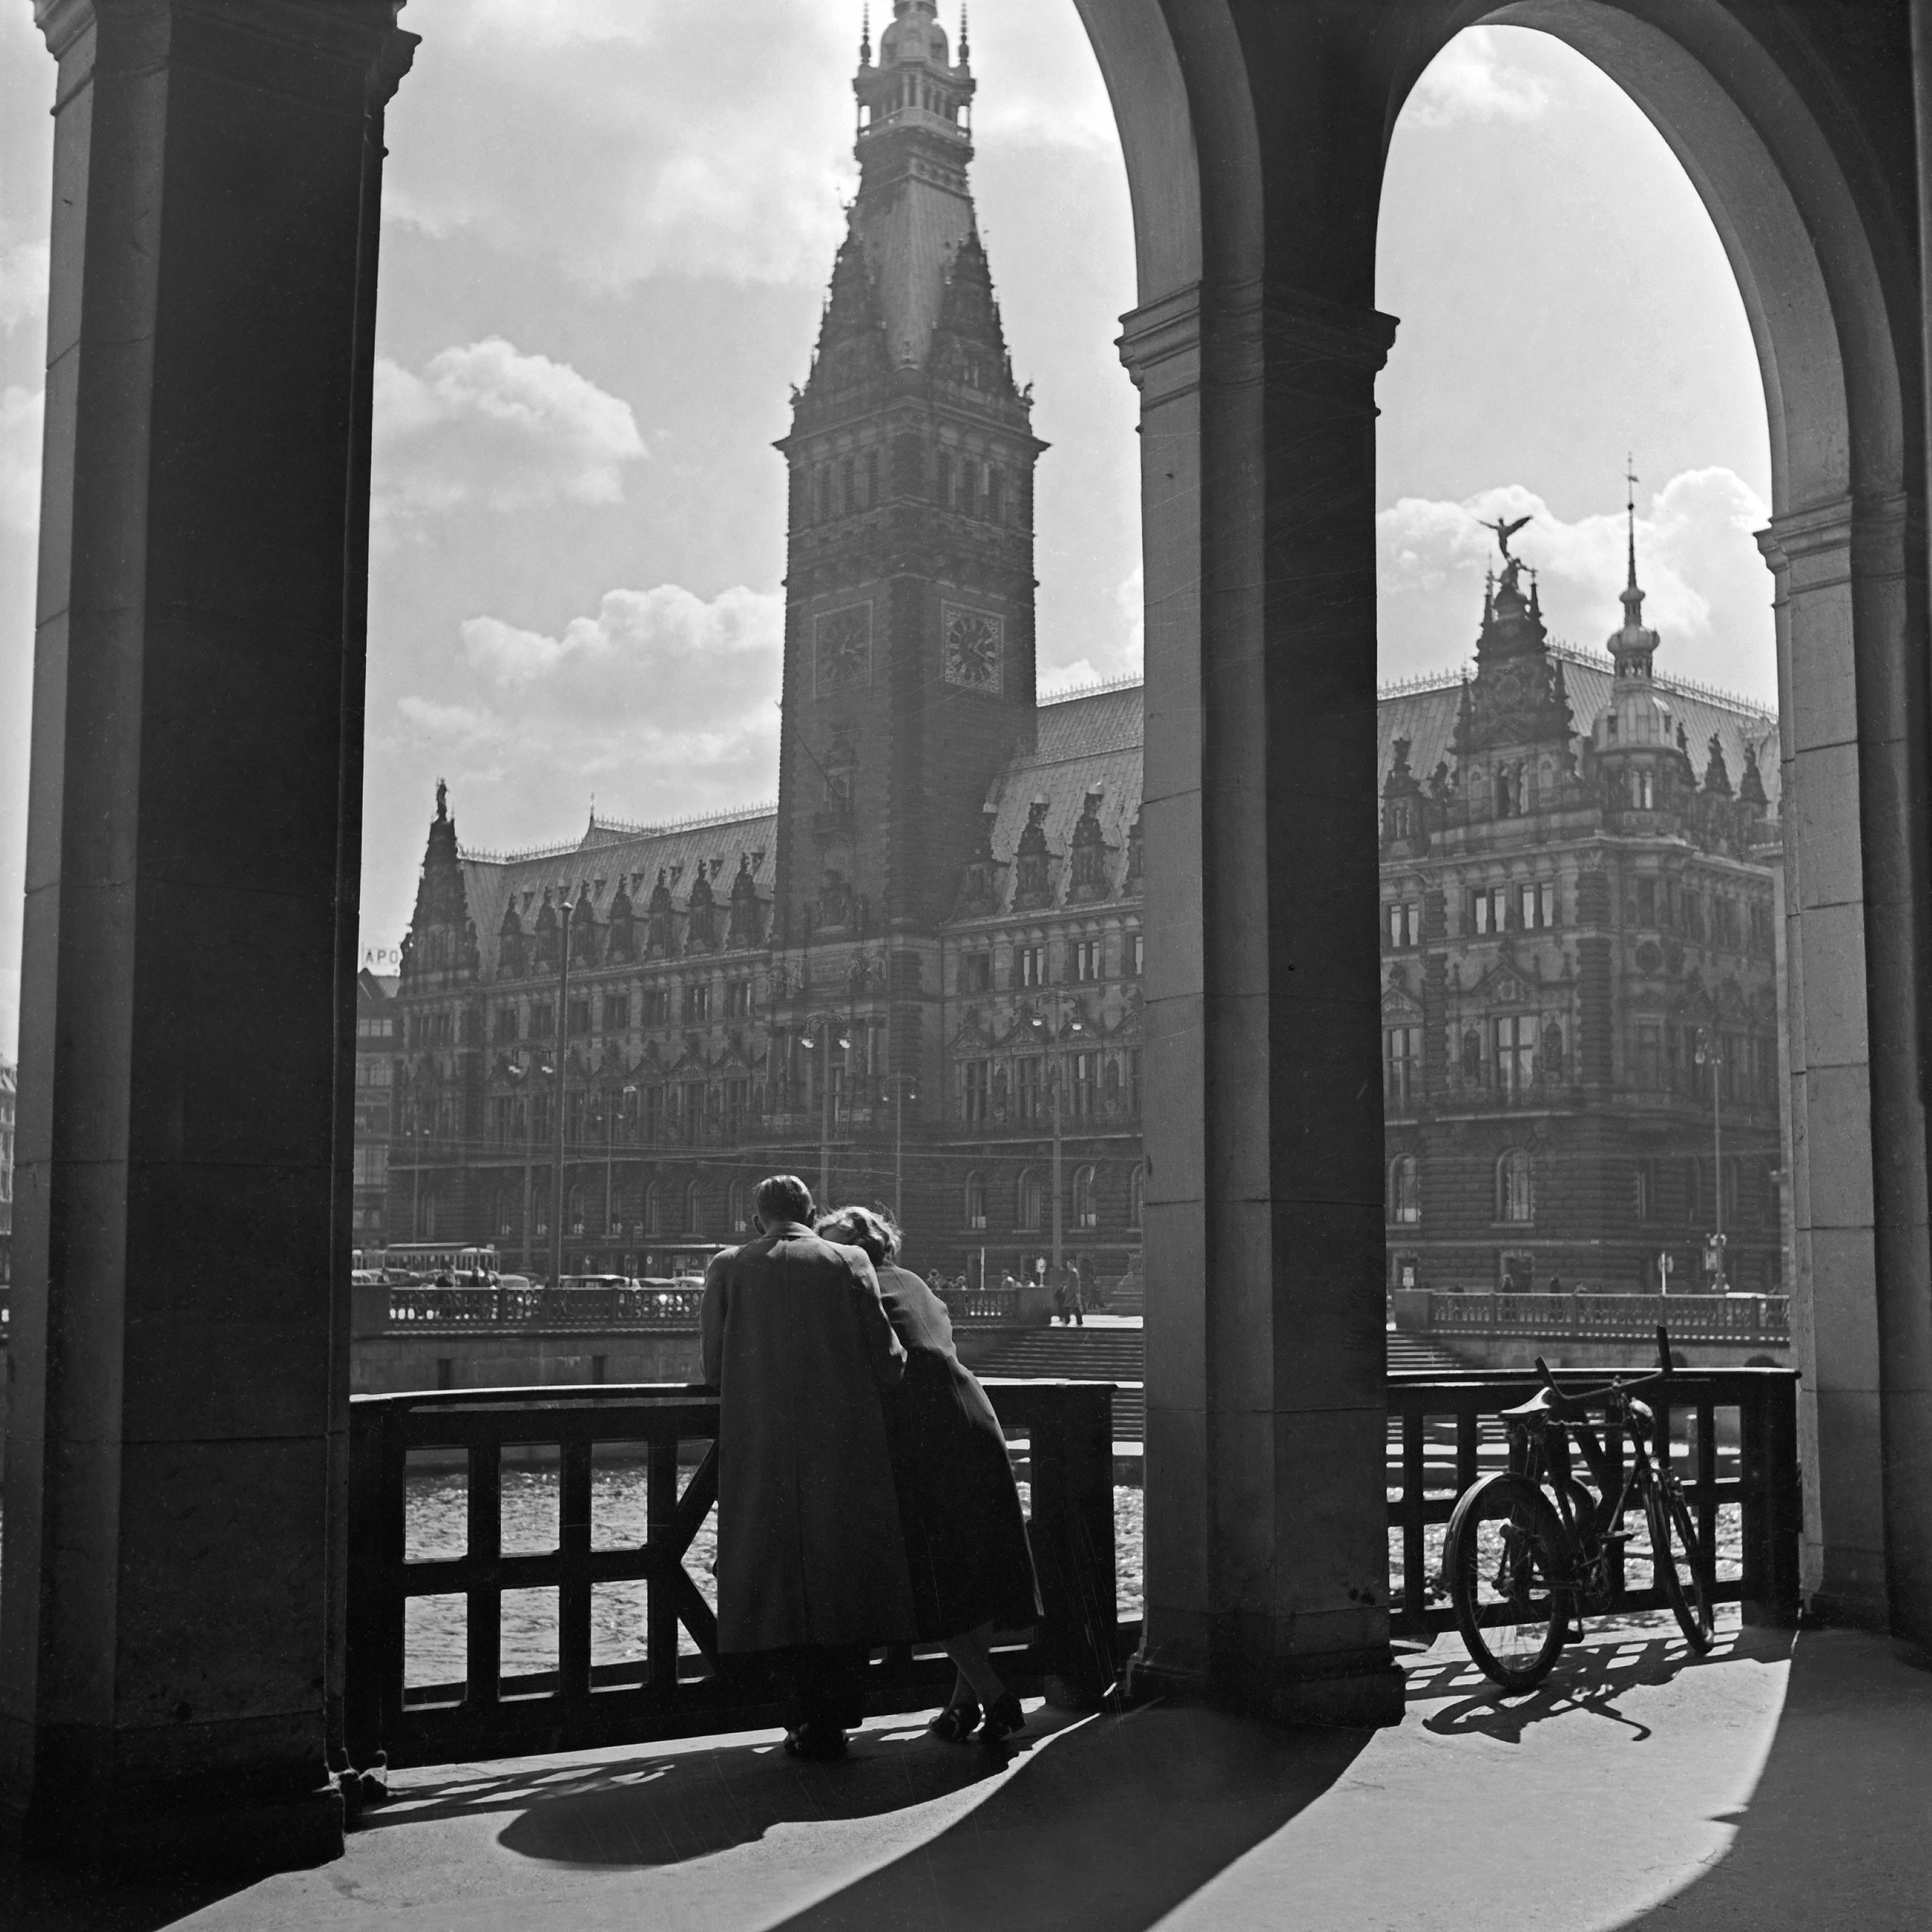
1503, 532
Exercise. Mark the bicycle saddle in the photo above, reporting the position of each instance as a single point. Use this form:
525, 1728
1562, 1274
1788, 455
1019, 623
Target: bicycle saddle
1547, 1402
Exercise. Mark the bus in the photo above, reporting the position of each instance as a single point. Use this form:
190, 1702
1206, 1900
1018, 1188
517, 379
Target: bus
465, 1265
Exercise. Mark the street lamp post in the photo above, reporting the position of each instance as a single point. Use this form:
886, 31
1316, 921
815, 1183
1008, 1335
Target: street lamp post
610, 1160
1710, 1054
827, 1038
1056, 1069
556, 1126
896, 1085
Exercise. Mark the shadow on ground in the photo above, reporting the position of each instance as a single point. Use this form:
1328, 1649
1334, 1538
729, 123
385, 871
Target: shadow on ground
1105, 1828
1589, 1678
1838, 1831
36, 1897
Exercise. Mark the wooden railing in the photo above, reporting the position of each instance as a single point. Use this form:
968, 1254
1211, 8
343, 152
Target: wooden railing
1071, 1656
1444, 1434
1583, 1317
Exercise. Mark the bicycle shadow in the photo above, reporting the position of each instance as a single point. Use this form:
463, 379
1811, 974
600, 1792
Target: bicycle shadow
1588, 1677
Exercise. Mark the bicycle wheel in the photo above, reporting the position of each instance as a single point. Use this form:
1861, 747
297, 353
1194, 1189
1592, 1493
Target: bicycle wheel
1503, 1548
1687, 1592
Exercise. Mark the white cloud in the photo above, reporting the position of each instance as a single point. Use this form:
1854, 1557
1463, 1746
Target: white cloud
662, 703
23, 283
487, 425
1469, 80
711, 142
20, 412
1706, 588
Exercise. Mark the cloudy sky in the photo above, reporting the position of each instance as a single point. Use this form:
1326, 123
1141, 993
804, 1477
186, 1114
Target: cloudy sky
607, 237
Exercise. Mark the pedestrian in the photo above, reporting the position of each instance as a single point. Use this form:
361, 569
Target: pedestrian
1556, 1283
1076, 1299
959, 1510
812, 1565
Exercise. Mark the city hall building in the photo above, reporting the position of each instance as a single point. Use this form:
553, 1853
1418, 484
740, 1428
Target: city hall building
918, 981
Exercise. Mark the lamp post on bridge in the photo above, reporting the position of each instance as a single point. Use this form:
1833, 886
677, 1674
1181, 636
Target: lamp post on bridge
831, 1032
1056, 1067
1710, 1053
897, 1085
610, 1221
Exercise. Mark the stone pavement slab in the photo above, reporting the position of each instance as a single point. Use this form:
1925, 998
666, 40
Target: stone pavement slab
1781, 1782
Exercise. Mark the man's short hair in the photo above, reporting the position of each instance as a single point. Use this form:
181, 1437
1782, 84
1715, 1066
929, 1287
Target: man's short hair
783, 1197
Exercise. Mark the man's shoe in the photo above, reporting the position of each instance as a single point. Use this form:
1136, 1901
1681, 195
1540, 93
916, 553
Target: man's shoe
816, 1741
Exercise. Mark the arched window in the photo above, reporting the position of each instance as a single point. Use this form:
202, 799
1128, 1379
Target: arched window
1404, 1189
1086, 1199
975, 1200
1136, 1196
504, 1219
1516, 1194
1553, 1051
579, 1215
1472, 1054
738, 1207
653, 1210
694, 1209
1033, 1199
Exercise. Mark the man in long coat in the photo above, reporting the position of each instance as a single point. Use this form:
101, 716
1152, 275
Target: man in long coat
812, 1570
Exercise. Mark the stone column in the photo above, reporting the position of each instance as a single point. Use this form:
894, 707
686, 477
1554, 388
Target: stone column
1267, 1559
170, 1630
1853, 989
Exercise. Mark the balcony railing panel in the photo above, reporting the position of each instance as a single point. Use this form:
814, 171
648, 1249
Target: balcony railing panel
1071, 1656
1625, 1318
1445, 1433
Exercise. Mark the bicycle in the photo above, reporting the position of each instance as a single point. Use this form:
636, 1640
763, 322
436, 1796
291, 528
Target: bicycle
1530, 1548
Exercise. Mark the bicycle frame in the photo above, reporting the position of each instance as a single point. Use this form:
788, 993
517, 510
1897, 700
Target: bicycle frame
1541, 1451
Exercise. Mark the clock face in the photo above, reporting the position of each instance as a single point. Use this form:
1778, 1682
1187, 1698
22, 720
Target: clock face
842, 649
974, 645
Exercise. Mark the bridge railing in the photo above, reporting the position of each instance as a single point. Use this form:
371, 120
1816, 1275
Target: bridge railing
1584, 1317
1071, 1656
986, 1304
1444, 1435
541, 1307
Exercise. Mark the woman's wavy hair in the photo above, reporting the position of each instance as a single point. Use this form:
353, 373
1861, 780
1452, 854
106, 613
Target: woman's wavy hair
875, 1234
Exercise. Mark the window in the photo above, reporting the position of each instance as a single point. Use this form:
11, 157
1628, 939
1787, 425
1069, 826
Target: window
738, 1207
1085, 1091
738, 999
1694, 1192
976, 1201
580, 1018
697, 1000
975, 972
1516, 1053
1486, 909
1086, 959
872, 477
1649, 1053
370, 1072
1516, 1199
372, 1166
943, 482
1553, 1051
579, 1214
1402, 1067
1646, 901
1472, 1054
1032, 1200
654, 1007
1086, 1199
1134, 955
1402, 921
653, 1210
694, 1209
1404, 1190
1134, 1076
503, 1120
1136, 1196
1028, 1089
543, 1021
1030, 966
737, 1101
506, 1025
996, 494
1536, 904
1642, 1192
616, 1012
973, 1084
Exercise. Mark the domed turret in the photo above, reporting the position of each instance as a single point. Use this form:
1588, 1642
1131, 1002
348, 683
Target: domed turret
914, 35
1638, 716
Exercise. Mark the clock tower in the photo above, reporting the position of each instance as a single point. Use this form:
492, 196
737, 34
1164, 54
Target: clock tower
909, 614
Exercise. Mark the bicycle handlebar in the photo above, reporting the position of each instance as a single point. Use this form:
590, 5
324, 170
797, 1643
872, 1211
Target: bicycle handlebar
1662, 1372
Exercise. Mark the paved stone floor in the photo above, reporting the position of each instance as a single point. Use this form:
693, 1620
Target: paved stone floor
1781, 1782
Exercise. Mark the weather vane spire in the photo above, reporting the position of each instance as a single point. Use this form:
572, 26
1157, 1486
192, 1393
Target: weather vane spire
965, 36
866, 34
1630, 513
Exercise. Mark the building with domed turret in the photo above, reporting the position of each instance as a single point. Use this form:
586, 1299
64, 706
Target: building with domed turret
1579, 1001
917, 979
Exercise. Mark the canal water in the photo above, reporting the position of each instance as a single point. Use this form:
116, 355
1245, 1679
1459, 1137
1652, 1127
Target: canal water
435, 1627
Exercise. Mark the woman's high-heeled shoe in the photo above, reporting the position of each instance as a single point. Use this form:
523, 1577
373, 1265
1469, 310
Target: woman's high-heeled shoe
956, 1723
1003, 1717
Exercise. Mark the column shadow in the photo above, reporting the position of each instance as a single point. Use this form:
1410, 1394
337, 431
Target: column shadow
1838, 1831
1107, 1828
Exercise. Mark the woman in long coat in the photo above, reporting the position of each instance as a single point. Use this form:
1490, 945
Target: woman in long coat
959, 1510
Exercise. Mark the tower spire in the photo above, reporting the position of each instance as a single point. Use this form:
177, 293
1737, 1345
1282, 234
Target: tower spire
965, 38
866, 34
1629, 514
